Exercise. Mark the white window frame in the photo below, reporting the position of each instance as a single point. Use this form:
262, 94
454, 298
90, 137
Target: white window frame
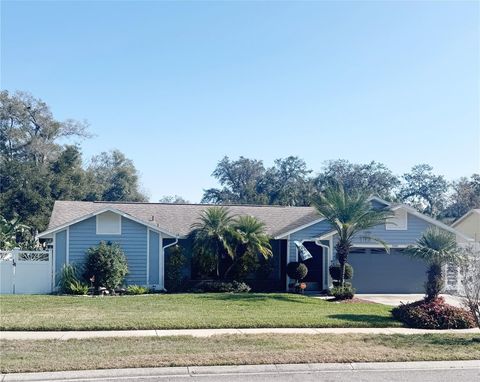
400, 221
116, 232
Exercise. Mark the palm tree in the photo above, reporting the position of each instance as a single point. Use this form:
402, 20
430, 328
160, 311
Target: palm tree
10, 230
250, 240
212, 234
437, 248
349, 213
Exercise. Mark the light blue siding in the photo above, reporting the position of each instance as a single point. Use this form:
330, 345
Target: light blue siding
60, 252
410, 271
154, 257
133, 241
311, 232
415, 228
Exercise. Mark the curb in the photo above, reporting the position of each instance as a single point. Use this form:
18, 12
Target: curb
92, 375
67, 335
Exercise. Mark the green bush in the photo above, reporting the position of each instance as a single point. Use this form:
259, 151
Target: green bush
106, 265
335, 271
68, 281
433, 314
296, 270
342, 293
221, 287
136, 289
78, 288
174, 266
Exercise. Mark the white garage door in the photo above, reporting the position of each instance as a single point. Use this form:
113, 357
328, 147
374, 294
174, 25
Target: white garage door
25, 272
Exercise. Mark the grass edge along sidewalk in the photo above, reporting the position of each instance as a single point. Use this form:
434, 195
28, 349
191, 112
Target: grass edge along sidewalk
239, 349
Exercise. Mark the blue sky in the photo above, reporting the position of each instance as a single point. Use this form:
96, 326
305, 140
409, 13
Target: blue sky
178, 85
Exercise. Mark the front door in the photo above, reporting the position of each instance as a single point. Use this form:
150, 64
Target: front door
314, 278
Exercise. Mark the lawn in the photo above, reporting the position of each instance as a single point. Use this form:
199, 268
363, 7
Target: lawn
181, 311
103, 353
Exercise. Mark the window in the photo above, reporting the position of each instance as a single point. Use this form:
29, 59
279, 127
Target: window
109, 223
398, 222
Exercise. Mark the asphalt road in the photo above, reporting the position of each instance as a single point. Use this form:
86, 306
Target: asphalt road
463, 375
458, 371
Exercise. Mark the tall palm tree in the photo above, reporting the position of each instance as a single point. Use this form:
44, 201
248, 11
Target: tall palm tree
250, 240
212, 234
349, 213
437, 248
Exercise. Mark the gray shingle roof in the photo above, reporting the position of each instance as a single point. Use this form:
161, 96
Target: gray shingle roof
178, 218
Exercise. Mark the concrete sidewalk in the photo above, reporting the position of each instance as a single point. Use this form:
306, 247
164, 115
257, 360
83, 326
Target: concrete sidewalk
247, 371
66, 335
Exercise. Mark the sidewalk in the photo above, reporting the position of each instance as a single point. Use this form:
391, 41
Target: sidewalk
66, 335
248, 371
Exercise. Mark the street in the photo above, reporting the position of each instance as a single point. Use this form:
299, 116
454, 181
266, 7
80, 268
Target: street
372, 372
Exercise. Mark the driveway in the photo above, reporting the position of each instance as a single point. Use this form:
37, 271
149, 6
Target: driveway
396, 299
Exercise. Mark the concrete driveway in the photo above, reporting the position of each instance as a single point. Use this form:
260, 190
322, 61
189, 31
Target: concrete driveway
396, 299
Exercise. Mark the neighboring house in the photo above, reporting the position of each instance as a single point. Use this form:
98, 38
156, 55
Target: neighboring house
145, 230
469, 224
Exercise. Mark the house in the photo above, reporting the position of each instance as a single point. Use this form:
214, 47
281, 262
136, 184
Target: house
146, 230
469, 224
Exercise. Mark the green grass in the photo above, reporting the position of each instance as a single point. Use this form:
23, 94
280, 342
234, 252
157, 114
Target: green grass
104, 353
180, 311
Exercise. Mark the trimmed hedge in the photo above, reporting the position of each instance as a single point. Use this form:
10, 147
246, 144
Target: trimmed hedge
335, 271
296, 270
342, 293
433, 314
221, 287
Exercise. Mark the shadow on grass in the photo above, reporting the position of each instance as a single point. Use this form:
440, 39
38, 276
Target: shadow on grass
255, 297
370, 319
447, 340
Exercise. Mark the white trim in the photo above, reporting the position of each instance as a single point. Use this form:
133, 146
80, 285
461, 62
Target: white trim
462, 218
366, 245
160, 246
433, 221
84, 217
397, 222
330, 261
148, 257
283, 235
67, 245
288, 260
54, 254
117, 232
380, 200
162, 261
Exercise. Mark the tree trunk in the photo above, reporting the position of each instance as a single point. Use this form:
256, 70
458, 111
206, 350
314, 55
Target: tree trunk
435, 281
342, 254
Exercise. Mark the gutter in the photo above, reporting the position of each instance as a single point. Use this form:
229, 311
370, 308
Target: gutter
163, 256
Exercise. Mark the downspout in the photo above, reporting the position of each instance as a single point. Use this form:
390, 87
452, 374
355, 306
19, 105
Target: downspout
163, 258
326, 275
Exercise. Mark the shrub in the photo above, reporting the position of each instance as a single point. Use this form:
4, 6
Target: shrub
342, 293
68, 282
433, 314
221, 287
136, 289
296, 270
106, 265
175, 262
335, 272
78, 288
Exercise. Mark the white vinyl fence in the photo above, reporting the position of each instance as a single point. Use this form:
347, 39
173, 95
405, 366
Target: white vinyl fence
26, 272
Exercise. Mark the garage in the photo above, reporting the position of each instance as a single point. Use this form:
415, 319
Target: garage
376, 271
